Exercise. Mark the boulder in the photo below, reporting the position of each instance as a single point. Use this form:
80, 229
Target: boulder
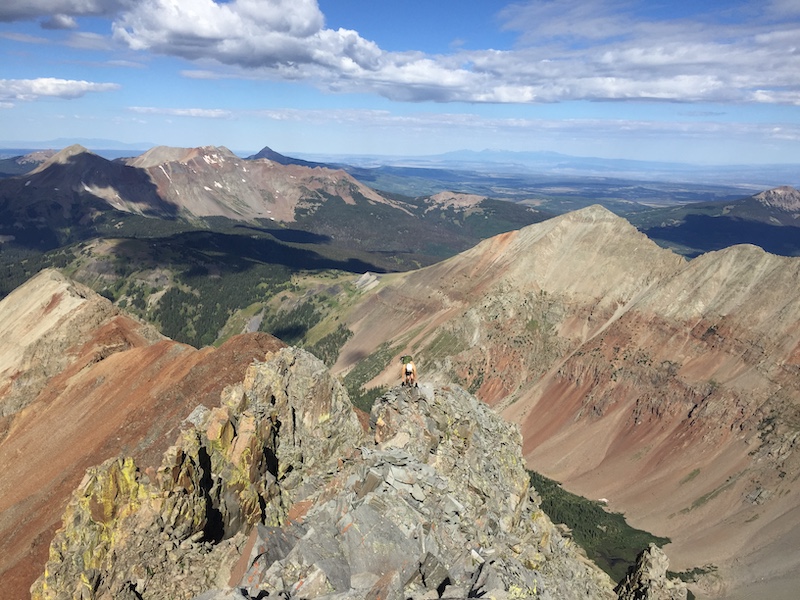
647, 579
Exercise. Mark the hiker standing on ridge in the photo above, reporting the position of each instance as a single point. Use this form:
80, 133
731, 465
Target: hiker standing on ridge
408, 375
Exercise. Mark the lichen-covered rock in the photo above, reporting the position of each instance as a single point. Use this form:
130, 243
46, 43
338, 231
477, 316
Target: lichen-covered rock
175, 532
647, 579
280, 493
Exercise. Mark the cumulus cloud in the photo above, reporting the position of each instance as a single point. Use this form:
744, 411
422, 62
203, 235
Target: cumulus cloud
620, 50
12, 90
568, 50
614, 50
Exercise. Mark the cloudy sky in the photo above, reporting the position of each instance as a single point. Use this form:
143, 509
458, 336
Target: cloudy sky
702, 81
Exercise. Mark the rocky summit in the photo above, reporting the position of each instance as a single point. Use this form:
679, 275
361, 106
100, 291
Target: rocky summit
285, 490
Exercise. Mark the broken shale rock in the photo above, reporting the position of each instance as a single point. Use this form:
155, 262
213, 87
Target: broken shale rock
280, 493
647, 579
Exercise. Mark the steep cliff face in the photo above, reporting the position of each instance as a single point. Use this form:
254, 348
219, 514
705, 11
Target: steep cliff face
669, 387
280, 492
81, 382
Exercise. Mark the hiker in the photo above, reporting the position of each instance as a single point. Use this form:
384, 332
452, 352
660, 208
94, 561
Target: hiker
408, 375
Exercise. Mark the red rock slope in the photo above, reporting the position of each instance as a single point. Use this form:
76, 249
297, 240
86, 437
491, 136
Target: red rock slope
671, 388
81, 382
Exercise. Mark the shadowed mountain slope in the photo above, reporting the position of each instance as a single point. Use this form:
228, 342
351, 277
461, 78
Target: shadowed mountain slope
770, 220
81, 382
18, 165
668, 387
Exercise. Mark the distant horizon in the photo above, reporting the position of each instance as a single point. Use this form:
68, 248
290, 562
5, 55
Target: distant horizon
752, 177
115, 147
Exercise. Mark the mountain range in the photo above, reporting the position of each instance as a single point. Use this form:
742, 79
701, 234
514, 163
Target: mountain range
664, 386
245, 471
76, 195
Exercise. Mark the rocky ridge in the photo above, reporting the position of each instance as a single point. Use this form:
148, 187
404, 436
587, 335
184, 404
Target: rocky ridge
666, 386
38, 334
648, 580
280, 492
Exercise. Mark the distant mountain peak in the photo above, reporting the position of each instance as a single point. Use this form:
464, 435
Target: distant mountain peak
595, 212
165, 154
269, 154
71, 151
784, 197
36, 157
64, 156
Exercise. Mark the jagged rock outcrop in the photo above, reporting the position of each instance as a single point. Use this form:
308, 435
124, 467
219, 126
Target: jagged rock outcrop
280, 492
82, 382
647, 579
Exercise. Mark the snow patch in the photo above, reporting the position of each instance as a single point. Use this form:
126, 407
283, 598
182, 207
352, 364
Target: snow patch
163, 170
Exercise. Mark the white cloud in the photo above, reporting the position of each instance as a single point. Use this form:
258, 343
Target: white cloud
566, 49
59, 22
32, 89
249, 32
574, 128
24, 38
89, 41
19, 10
206, 113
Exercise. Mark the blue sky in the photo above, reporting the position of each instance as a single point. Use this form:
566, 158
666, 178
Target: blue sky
703, 82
